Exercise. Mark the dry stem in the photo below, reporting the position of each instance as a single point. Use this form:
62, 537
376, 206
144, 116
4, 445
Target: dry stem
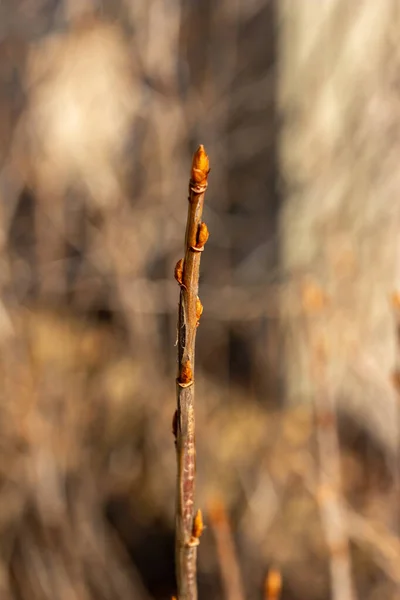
273, 585
227, 557
333, 517
190, 309
333, 514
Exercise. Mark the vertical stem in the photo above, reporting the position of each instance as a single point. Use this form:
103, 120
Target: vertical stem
187, 275
230, 571
332, 511
329, 495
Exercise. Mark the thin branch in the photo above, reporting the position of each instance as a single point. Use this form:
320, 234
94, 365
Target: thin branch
332, 512
190, 309
374, 537
273, 585
330, 500
227, 557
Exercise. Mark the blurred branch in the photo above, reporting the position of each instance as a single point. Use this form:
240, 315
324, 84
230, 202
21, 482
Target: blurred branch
383, 545
230, 570
329, 496
273, 585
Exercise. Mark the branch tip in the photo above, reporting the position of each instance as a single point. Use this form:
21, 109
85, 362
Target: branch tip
200, 166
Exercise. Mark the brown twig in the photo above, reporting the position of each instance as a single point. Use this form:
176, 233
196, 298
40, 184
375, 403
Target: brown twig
396, 382
383, 546
330, 500
227, 557
190, 309
273, 585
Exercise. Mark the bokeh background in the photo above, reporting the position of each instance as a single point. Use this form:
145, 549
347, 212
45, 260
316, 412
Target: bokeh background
101, 107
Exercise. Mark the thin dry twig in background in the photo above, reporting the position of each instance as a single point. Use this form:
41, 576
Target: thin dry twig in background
374, 537
329, 496
230, 570
273, 585
188, 527
396, 382
333, 514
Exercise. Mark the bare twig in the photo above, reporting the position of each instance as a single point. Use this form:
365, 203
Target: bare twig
190, 309
273, 585
396, 382
329, 493
227, 558
330, 500
382, 545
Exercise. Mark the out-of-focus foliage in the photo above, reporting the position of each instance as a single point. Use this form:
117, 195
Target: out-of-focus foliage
101, 107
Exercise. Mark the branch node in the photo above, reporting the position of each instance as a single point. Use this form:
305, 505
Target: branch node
196, 189
193, 542
185, 385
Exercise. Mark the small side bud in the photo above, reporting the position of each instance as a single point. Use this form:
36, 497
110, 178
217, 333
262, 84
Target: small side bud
178, 272
198, 525
203, 235
185, 375
199, 310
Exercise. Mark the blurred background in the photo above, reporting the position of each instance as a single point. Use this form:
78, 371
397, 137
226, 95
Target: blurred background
101, 107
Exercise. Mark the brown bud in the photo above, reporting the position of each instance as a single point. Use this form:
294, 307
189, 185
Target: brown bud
198, 525
186, 373
178, 273
199, 309
202, 235
200, 166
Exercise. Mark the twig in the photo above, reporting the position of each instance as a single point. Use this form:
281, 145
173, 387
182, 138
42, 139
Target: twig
273, 585
396, 382
330, 500
383, 546
381, 543
329, 493
190, 309
230, 570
